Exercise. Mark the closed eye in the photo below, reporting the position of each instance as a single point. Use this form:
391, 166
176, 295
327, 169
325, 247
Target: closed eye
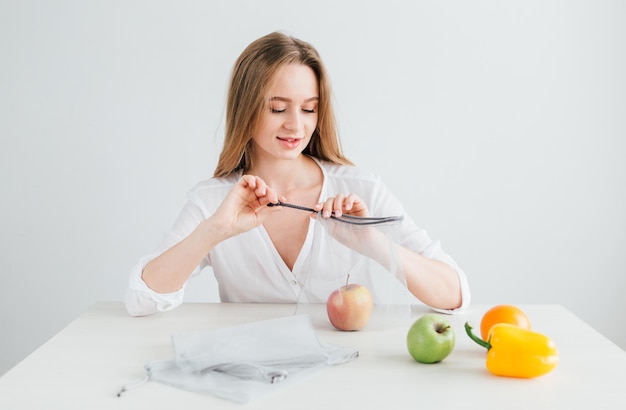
280, 101
277, 111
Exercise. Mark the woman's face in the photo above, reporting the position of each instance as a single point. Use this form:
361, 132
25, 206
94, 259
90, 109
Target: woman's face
290, 116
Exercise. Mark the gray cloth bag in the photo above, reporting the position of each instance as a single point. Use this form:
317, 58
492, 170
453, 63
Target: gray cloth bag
244, 362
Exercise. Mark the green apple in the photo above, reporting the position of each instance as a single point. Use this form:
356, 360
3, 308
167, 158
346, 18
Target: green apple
430, 339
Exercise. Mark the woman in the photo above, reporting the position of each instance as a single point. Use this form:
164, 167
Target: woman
281, 144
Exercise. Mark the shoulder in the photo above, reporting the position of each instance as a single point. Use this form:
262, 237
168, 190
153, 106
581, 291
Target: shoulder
210, 192
348, 173
210, 184
344, 179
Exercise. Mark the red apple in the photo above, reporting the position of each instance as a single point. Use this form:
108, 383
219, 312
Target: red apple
349, 307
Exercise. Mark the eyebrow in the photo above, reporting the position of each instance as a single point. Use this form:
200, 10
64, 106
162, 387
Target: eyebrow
289, 99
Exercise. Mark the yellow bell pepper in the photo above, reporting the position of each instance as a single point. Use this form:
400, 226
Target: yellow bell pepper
516, 352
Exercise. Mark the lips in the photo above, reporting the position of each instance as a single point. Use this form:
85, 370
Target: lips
290, 142
289, 139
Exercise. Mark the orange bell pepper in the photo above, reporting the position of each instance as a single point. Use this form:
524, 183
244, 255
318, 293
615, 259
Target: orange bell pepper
516, 352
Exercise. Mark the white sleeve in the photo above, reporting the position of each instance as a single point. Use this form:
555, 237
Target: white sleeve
418, 240
140, 300
434, 251
421, 242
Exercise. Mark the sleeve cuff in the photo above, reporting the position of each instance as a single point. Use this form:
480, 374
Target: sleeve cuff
140, 300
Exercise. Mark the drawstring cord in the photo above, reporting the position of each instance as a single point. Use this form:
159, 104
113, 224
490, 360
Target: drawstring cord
137, 383
244, 371
132, 385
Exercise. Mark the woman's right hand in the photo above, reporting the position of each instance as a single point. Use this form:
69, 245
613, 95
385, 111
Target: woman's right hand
245, 206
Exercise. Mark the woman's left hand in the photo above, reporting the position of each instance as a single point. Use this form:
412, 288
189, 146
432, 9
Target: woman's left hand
366, 240
342, 204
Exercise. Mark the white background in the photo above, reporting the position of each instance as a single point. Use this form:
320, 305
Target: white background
500, 125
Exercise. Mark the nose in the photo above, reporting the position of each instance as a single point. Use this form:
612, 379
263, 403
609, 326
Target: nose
294, 122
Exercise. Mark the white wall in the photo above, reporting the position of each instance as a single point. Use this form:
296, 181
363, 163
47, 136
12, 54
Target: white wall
501, 126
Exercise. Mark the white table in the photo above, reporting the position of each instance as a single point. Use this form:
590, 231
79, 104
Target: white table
84, 365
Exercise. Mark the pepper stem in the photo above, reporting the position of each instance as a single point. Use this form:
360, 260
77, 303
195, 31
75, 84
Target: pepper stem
475, 338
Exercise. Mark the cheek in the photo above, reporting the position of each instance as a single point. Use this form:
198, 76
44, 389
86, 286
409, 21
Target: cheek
311, 124
265, 126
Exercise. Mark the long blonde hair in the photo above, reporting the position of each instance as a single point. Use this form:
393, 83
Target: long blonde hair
250, 82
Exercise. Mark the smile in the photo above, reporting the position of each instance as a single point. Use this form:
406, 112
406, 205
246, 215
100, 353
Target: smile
289, 142
289, 139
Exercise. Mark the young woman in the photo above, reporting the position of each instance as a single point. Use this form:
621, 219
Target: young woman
281, 144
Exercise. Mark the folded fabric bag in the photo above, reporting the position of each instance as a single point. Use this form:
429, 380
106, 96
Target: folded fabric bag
244, 362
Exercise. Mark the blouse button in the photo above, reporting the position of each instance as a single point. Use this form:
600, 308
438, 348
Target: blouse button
294, 282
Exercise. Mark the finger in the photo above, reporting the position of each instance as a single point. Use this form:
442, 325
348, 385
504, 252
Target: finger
338, 205
349, 202
274, 198
247, 181
270, 196
358, 206
261, 187
327, 207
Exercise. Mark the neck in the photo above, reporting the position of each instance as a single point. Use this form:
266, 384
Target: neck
286, 176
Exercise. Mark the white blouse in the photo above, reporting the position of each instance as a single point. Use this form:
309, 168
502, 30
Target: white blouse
249, 269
